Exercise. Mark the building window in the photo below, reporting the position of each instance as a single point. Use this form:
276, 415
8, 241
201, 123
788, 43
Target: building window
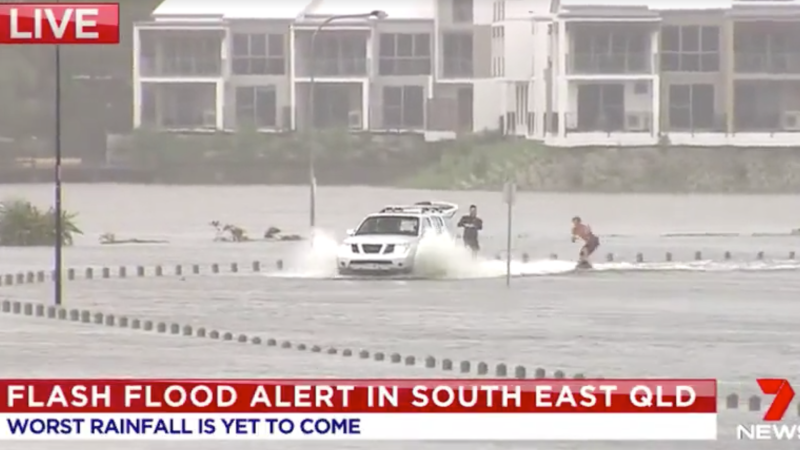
457, 55
256, 106
691, 107
690, 49
405, 54
403, 107
463, 11
259, 54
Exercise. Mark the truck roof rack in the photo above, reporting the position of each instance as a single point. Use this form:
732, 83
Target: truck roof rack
426, 207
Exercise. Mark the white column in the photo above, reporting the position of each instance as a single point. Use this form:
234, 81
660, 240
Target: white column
137, 83
655, 88
561, 79
220, 104
365, 104
292, 85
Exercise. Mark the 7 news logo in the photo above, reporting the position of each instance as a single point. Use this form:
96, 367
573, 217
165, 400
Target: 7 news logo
784, 394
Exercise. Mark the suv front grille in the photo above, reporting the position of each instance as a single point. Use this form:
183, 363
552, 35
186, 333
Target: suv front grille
371, 248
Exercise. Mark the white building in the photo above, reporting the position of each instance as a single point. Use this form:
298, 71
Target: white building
569, 72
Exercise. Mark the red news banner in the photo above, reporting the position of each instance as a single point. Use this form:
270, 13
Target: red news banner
419, 409
358, 396
59, 23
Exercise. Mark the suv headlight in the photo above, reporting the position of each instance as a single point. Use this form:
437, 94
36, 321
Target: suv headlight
402, 248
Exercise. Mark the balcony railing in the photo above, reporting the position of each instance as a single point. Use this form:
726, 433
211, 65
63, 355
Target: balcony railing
453, 67
611, 63
187, 66
334, 67
767, 63
616, 121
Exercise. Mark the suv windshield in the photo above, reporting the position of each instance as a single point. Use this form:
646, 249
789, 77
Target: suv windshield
403, 225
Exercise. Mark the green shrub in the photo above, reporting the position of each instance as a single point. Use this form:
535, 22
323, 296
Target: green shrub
22, 224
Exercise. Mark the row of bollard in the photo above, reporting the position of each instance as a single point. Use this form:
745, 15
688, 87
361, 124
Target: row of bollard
501, 370
668, 257
90, 273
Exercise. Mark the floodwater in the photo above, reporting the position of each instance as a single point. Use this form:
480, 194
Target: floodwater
733, 320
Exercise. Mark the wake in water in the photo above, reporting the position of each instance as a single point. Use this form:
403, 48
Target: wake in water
446, 259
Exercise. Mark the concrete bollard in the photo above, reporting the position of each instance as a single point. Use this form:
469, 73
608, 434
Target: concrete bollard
559, 374
159, 271
196, 269
110, 320
430, 362
447, 364
70, 274
39, 310
86, 316
242, 339
123, 272
30, 278
187, 330
316, 349
396, 358
526, 258
99, 318
214, 334
27, 309
256, 340
6, 306
520, 372
106, 272
279, 264
62, 314
147, 325
20, 278
234, 268
501, 370
379, 356
9, 280
123, 322
140, 272
482, 368
332, 351
540, 373
610, 257
52, 312
40, 276
175, 328
553, 256
178, 270
16, 308
215, 268
698, 256
754, 403
465, 367
74, 315
363, 354
201, 333
256, 266
410, 360
727, 256
227, 336
760, 256
732, 401
579, 376
639, 258
347, 352
791, 255
136, 324
89, 275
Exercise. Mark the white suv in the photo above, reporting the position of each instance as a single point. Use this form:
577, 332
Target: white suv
387, 242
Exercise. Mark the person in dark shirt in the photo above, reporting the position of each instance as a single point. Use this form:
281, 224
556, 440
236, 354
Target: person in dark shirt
471, 224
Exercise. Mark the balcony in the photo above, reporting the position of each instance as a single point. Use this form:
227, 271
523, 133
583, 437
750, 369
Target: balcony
453, 67
612, 63
784, 63
182, 67
354, 67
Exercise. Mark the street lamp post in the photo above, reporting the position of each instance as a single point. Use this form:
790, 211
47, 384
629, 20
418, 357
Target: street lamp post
59, 244
312, 178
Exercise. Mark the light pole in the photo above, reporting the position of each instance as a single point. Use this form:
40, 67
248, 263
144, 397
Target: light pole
312, 178
59, 244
